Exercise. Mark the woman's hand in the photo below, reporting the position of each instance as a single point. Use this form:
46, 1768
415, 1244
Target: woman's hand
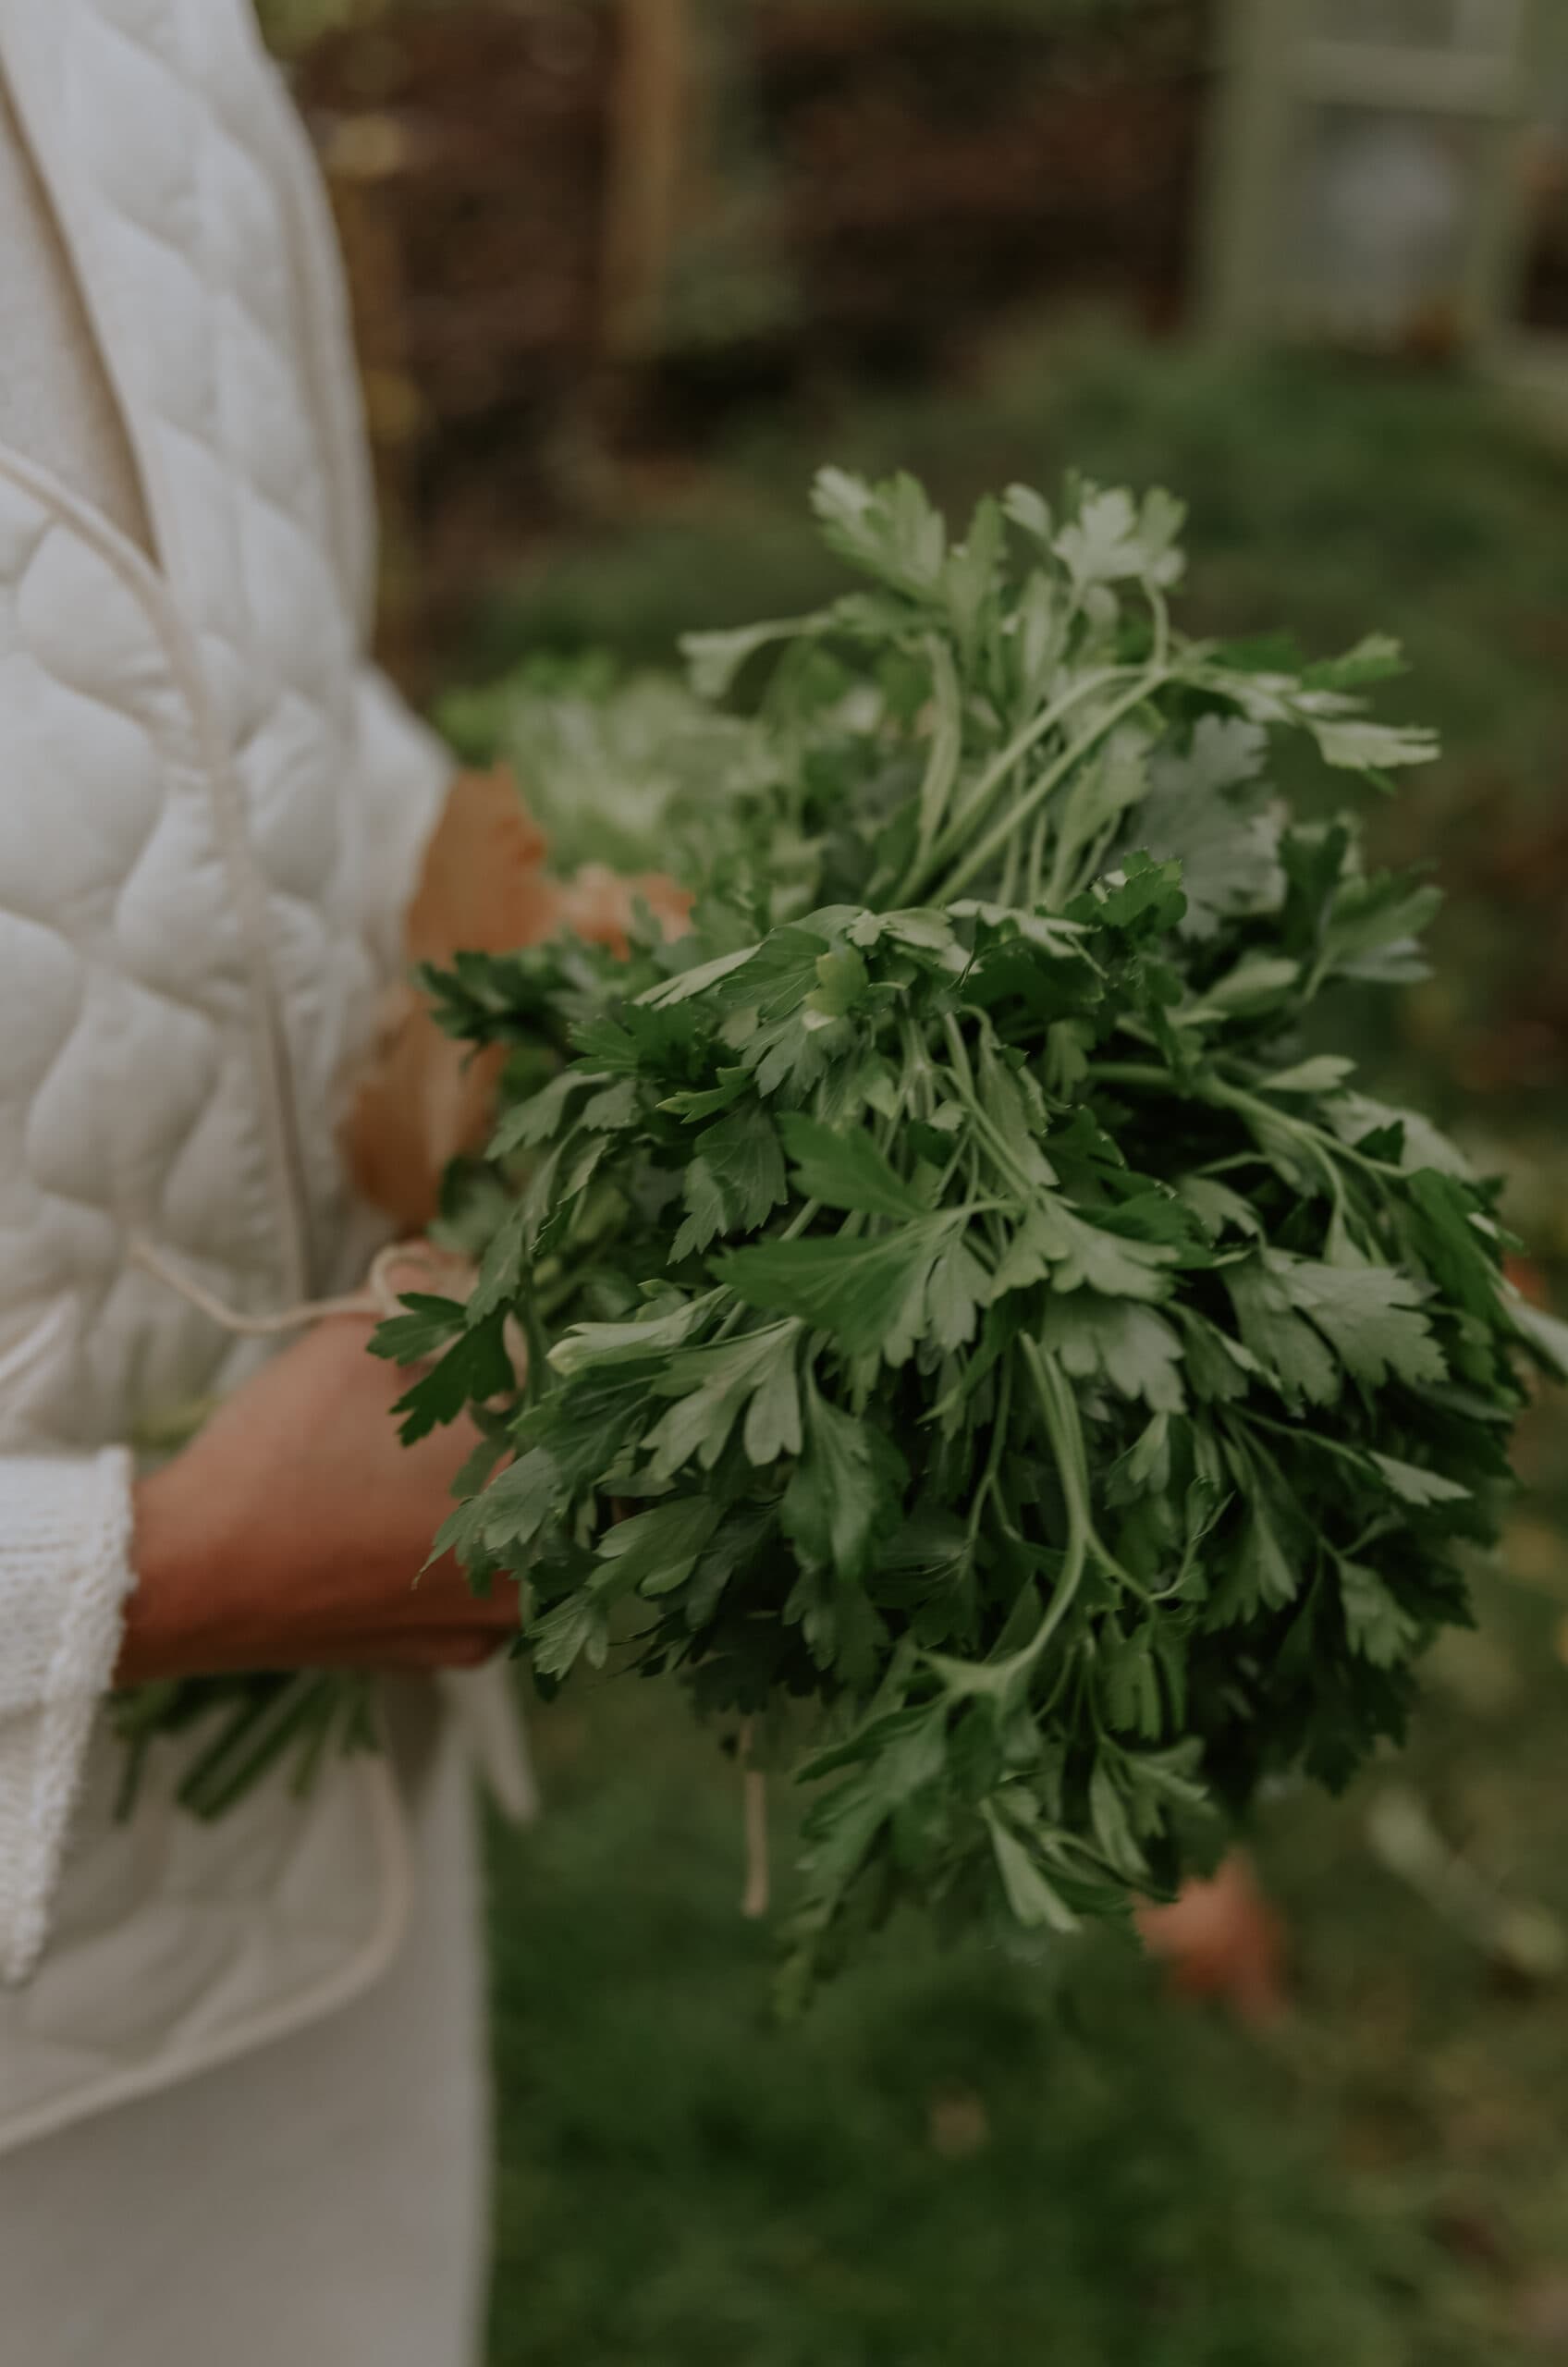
291, 1533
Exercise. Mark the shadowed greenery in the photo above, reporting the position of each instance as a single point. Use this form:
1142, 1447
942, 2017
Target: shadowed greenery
967, 2158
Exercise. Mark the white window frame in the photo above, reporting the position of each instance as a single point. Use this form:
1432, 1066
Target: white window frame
1271, 67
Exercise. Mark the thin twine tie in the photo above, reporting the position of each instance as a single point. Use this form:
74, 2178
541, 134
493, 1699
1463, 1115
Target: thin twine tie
375, 1297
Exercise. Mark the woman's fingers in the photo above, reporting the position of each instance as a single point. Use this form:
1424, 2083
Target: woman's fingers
443, 1598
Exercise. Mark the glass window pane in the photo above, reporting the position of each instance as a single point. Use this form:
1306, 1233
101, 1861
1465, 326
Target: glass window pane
1472, 27
1376, 228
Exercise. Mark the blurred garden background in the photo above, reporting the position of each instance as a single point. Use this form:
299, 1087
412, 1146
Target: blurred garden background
624, 275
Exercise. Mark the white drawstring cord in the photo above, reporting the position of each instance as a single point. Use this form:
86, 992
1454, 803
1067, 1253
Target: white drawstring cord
377, 1297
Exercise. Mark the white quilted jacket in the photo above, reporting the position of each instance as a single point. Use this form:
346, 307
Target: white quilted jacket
210, 815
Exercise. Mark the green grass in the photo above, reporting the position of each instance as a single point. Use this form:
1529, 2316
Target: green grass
968, 2157
1322, 495
964, 2160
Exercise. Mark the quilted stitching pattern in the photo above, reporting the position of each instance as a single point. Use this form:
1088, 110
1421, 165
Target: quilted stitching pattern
201, 751
127, 1090
130, 1100
184, 1953
174, 179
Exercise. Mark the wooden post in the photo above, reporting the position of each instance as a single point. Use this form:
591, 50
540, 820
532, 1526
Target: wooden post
1248, 137
1279, 73
362, 157
650, 114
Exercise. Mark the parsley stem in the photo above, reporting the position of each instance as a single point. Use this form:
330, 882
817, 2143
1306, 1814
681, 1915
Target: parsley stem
999, 1426
959, 1050
1136, 1073
969, 809
1066, 1443
1299, 1434
996, 838
1007, 893
1335, 1148
1036, 872
946, 743
1065, 1432
992, 1135
1161, 613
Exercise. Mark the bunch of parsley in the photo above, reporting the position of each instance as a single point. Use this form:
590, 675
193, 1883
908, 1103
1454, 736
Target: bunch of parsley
966, 1316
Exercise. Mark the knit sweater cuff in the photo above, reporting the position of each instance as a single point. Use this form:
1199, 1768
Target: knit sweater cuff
65, 1572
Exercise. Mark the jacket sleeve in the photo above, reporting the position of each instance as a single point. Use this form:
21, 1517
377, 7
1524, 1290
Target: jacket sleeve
65, 1572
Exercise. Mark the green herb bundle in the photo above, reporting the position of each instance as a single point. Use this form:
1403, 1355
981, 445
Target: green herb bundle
962, 1300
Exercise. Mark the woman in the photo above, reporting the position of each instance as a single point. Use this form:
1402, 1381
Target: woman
241, 2099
